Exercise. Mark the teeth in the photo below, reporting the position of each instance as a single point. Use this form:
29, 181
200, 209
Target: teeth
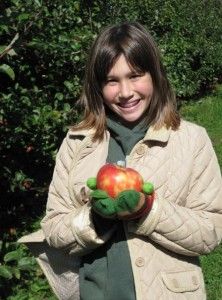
129, 104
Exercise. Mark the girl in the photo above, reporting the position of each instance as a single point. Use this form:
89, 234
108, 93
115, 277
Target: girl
137, 249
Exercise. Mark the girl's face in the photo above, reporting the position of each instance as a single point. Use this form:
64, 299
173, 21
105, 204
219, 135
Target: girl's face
127, 92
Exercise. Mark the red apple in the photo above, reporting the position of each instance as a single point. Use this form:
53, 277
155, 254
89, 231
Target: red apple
114, 179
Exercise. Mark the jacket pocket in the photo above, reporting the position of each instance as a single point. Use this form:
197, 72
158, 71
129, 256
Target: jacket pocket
179, 282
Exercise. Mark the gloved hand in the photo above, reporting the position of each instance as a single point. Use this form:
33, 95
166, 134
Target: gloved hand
102, 204
130, 204
127, 201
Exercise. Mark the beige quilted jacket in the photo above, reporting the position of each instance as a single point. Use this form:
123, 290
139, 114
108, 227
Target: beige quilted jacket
185, 221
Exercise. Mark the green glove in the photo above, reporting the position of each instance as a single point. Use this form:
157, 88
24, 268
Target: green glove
148, 188
102, 204
127, 201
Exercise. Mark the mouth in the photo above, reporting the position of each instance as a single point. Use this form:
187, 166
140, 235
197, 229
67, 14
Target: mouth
128, 104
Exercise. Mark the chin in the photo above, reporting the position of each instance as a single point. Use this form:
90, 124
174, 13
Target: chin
131, 118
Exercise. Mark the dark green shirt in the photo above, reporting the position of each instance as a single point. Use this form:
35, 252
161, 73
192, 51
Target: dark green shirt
106, 273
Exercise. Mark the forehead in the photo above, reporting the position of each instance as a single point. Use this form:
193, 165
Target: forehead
121, 65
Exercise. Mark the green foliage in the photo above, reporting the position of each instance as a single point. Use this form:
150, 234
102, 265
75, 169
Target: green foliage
20, 272
42, 57
188, 34
8, 71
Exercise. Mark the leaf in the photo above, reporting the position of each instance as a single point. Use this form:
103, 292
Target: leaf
26, 263
38, 286
68, 85
17, 273
7, 70
38, 3
10, 256
23, 17
59, 96
4, 272
66, 107
4, 28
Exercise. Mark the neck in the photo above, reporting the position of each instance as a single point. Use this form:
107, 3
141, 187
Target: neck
111, 115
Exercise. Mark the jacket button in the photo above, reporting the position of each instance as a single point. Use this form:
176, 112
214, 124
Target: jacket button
140, 150
140, 262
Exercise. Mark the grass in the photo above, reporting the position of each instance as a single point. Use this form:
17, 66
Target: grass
207, 112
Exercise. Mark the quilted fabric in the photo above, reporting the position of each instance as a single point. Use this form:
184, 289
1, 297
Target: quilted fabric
185, 221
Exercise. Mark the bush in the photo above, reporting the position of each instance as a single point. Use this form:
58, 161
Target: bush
188, 34
21, 277
39, 83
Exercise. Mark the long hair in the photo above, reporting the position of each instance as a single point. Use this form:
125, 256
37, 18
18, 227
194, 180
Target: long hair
137, 45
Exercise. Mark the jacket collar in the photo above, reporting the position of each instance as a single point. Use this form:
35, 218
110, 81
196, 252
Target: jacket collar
161, 135
83, 132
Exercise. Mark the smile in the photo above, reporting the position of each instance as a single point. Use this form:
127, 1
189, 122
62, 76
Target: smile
128, 104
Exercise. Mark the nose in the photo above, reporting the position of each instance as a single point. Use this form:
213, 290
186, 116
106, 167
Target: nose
125, 91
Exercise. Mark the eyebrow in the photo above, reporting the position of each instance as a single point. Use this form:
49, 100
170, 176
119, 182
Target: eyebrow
133, 72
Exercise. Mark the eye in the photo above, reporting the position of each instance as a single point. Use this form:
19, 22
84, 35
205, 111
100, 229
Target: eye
136, 76
111, 81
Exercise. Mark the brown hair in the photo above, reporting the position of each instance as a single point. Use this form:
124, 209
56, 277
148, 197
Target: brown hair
137, 45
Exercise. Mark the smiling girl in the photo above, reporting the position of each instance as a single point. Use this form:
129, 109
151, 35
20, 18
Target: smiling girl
130, 115
127, 92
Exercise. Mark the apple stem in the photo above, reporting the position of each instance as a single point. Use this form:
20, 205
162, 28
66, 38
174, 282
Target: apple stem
121, 163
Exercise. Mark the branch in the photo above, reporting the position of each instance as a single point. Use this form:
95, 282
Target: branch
9, 47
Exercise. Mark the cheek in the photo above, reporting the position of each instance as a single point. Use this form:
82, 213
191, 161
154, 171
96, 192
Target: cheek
145, 85
145, 88
109, 94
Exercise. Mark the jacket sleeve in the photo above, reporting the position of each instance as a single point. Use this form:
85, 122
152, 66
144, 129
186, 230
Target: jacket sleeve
67, 225
195, 228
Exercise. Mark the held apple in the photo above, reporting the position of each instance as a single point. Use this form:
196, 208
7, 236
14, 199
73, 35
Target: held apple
114, 179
